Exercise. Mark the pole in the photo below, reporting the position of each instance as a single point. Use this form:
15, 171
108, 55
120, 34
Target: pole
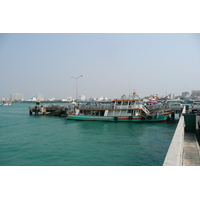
76, 89
77, 85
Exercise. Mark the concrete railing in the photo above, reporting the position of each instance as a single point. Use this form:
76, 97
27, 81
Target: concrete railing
175, 151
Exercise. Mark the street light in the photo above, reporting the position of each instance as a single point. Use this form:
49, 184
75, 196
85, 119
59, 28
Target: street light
77, 85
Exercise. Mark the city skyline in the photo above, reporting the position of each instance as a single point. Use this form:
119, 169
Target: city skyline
192, 92
111, 64
39, 96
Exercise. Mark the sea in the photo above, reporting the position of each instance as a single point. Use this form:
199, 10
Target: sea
39, 140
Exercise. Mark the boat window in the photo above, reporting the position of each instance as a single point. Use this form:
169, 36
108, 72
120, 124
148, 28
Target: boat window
125, 103
132, 102
119, 103
102, 113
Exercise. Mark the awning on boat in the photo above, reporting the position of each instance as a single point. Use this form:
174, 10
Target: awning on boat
152, 102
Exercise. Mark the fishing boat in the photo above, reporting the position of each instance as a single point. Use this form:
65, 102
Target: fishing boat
122, 110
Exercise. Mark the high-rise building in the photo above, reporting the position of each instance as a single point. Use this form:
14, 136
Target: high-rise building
195, 93
16, 96
39, 96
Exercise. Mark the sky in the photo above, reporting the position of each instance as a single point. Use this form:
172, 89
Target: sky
112, 64
147, 47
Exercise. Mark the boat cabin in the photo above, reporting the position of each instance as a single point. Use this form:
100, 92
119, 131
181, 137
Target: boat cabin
115, 108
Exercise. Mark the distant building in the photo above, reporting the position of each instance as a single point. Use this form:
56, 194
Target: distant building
82, 97
39, 97
185, 94
18, 97
171, 96
100, 99
69, 99
51, 99
92, 99
32, 99
105, 98
195, 93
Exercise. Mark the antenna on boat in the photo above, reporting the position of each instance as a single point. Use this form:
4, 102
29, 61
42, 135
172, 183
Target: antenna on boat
128, 85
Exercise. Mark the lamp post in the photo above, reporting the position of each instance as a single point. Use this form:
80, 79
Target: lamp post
77, 85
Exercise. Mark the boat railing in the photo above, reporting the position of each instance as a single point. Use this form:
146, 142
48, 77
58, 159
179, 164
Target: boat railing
145, 109
156, 108
105, 107
95, 107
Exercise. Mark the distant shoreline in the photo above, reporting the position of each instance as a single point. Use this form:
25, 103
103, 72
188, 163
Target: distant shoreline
19, 102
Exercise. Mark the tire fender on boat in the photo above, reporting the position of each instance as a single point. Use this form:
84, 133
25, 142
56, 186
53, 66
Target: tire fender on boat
130, 117
149, 117
115, 118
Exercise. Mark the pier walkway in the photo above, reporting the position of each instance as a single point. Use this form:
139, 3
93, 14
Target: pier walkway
184, 149
191, 154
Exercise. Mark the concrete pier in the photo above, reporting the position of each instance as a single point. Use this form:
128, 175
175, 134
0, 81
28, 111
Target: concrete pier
184, 148
191, 154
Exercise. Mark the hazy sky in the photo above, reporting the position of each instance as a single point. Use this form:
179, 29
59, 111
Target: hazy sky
111, 64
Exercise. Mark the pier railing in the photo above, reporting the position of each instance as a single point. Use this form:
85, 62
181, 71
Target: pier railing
175, 151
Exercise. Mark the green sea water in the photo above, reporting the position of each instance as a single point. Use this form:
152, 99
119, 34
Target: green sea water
29, 140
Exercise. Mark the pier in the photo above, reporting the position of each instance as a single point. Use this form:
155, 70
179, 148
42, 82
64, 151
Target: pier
184, 147
51, 110
5, 102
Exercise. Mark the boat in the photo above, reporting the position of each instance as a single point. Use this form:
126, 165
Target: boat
5, 104
122, 110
